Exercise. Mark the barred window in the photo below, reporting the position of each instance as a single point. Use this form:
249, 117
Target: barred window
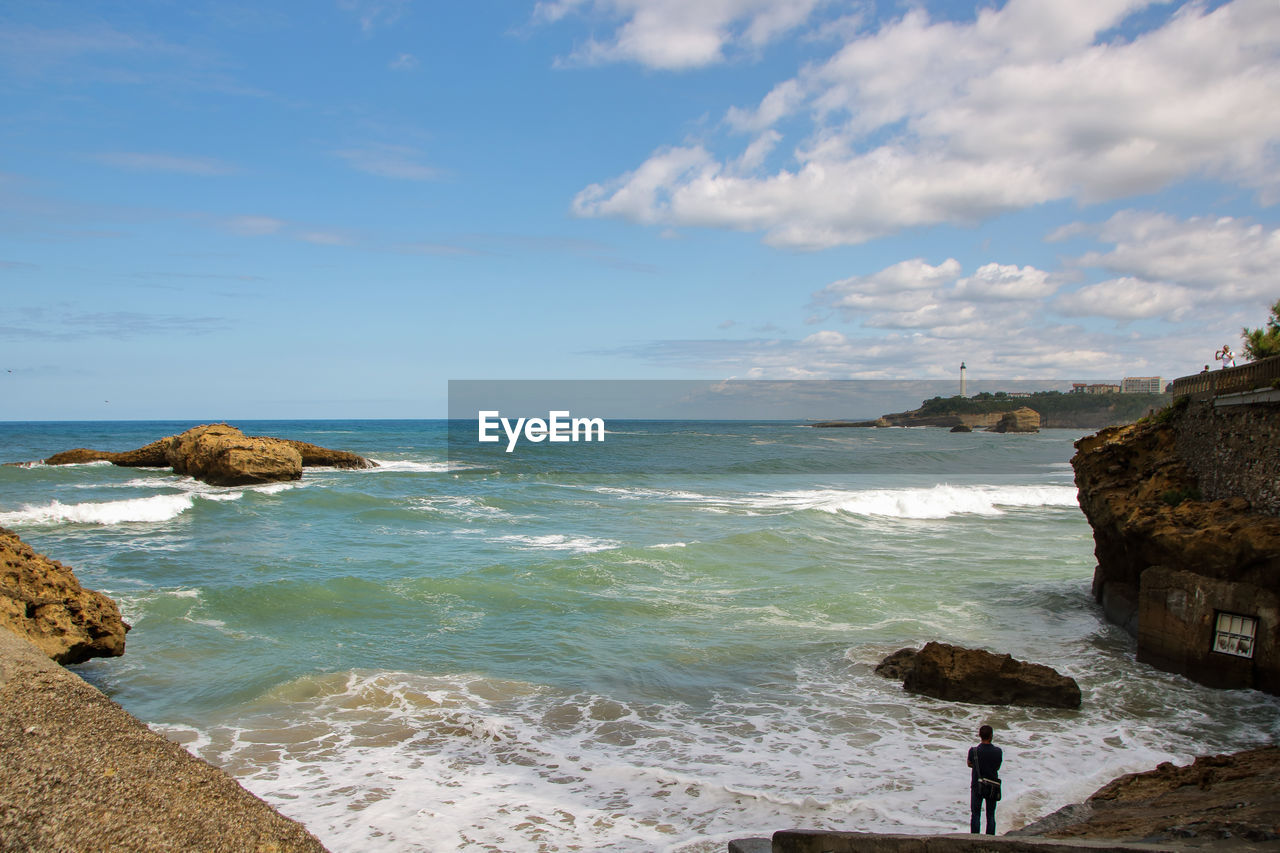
1234, 635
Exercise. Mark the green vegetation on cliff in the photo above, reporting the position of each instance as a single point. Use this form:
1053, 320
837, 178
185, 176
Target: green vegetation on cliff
1264, 342
1053, 406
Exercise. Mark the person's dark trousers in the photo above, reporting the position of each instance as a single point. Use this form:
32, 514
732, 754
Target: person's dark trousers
975, 813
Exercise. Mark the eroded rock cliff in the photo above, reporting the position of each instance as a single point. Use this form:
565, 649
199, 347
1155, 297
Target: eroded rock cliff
42, 601
1169, 563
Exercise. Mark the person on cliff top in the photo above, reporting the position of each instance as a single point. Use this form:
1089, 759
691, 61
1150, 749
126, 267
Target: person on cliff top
984, 784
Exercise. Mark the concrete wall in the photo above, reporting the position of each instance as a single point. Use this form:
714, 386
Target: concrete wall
1233, 449
1177, 613
820, 841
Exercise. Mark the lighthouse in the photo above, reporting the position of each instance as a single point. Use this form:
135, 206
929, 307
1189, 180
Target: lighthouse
962, 377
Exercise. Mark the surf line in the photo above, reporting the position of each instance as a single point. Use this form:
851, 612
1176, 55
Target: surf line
558, 426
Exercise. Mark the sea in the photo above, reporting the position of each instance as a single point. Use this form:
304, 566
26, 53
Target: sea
457, 651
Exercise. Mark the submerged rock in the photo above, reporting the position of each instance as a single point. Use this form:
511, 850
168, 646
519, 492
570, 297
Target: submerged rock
222, 455
42, 601
957, 674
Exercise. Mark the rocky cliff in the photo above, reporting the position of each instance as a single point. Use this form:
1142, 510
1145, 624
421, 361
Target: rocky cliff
1169, 562
222, 455
1215, 800
42, 601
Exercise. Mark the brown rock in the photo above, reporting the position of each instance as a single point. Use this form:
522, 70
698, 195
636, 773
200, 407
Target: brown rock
222, 455
41, 600
1023, 419
315, 455
1215, 799
958, 674
1167, 560
150, 456
79, 456
898, 664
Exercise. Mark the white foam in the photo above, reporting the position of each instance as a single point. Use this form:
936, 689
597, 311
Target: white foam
670, 545
152, 509
410, 465
935, 502
559, 542
392, 761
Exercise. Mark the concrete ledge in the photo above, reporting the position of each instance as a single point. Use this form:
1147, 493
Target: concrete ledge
823, 841
78, 773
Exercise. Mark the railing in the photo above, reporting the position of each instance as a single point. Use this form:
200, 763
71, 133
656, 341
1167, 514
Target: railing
1229, 380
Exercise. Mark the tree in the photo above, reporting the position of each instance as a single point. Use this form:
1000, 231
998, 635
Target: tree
1264, 342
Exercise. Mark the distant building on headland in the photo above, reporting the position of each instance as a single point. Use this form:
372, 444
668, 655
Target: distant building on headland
1141, 385
1128, 385
1096, 388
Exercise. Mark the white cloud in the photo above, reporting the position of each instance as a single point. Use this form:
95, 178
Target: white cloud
1174, 269
907, 286
255, 226
150, 162
1006, 281
925, 122
389, 161
403, 62
678, 34
1129, 299
374, 13
1223, 259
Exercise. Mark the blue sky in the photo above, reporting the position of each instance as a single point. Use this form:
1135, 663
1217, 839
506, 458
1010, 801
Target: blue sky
331, 208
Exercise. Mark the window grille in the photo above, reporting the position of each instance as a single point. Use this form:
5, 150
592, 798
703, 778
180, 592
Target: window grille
1235, 634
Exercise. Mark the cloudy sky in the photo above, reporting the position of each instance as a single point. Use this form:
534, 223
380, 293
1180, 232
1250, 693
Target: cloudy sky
331, 208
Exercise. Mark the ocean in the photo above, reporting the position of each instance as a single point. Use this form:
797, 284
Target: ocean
454, 652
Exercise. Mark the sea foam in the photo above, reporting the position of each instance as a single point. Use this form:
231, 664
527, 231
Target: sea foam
152, 509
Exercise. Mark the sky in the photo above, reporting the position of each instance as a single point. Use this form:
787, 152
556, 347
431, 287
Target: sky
331, 208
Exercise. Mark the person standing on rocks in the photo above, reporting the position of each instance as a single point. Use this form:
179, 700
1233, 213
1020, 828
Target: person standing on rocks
984, 784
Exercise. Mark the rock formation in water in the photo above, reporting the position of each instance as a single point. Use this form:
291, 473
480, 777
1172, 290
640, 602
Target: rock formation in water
1171, 564
957, 674
1217, 799
42, 601
222, 455
1021, 419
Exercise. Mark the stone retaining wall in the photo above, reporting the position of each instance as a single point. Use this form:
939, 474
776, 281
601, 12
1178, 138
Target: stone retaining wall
1233, 451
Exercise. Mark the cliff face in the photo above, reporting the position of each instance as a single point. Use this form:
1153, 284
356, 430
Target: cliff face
41, 601
1170, 562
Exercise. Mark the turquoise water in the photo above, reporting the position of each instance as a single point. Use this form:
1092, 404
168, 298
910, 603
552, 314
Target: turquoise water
659, 643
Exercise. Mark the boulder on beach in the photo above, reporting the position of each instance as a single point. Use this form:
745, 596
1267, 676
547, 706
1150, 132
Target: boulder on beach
222, 455
944, 671
42, 601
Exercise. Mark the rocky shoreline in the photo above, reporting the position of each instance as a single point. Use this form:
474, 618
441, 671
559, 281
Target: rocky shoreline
80, 773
